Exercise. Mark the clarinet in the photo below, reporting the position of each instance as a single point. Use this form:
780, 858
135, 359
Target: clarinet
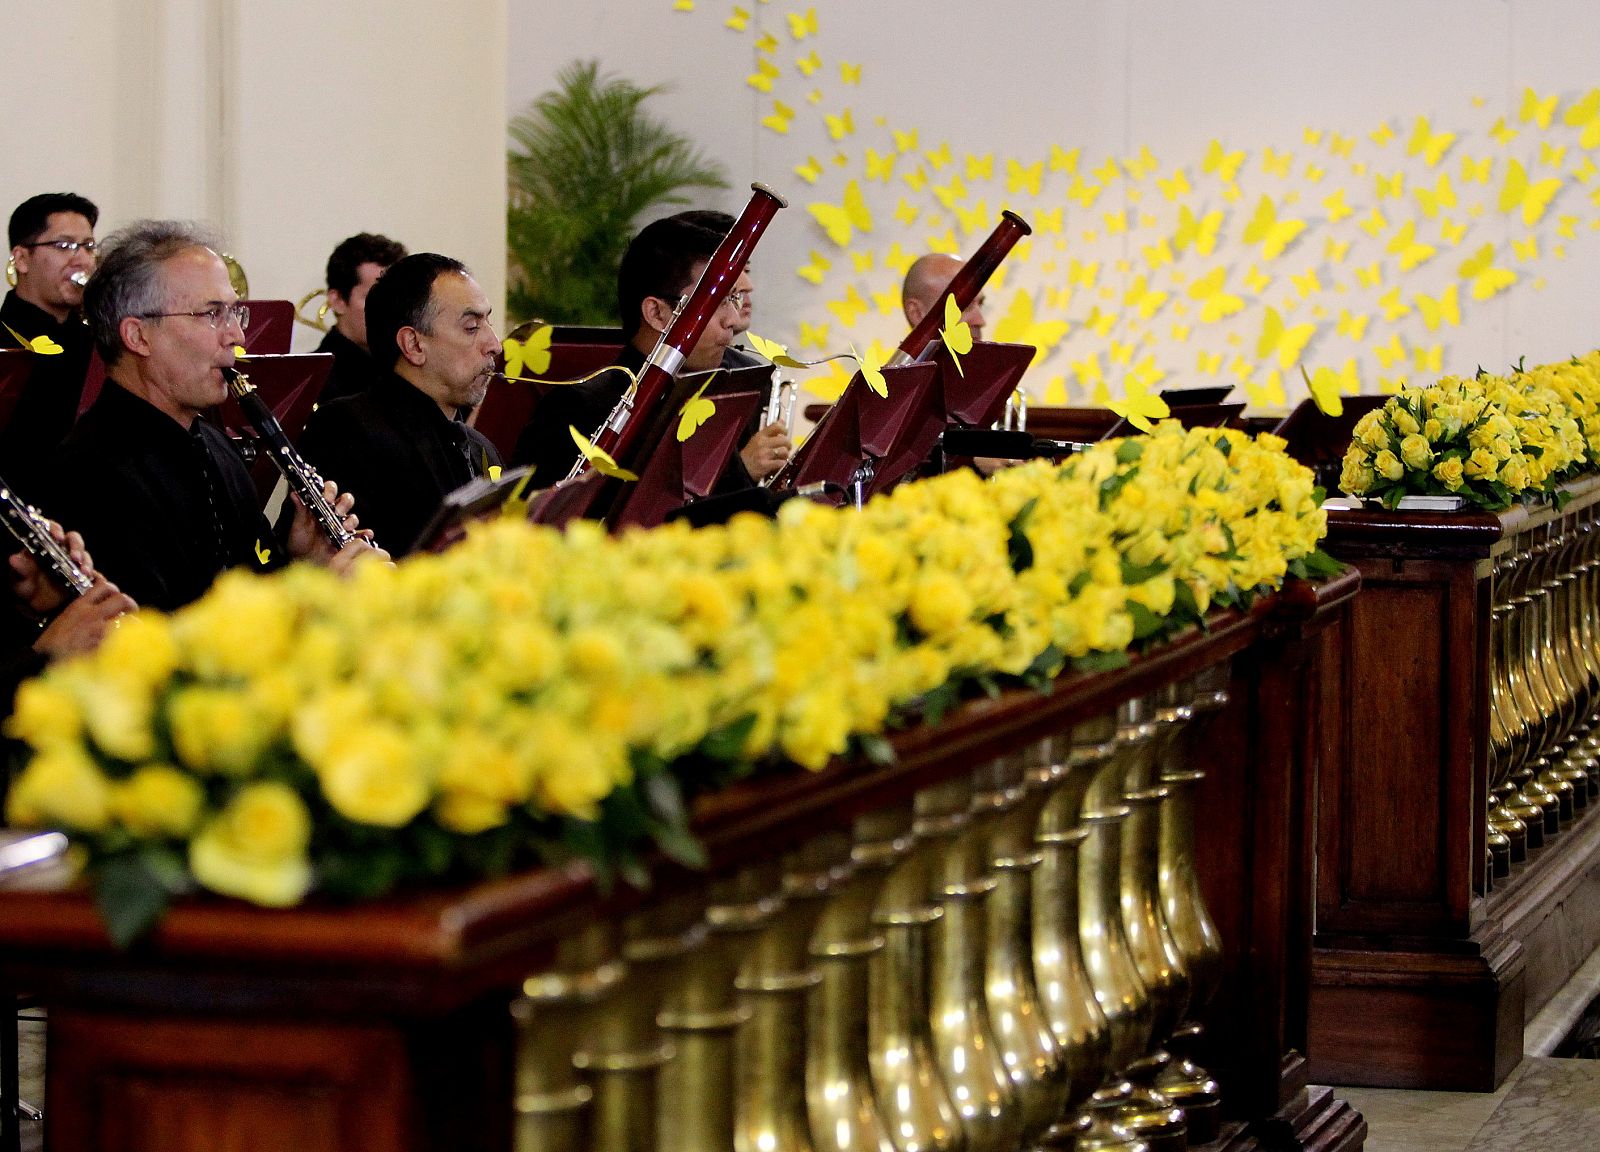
302, 478
32, 532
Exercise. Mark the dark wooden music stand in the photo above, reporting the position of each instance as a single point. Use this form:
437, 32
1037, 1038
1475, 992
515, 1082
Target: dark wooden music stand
975, 396
863, 426
508, 405
290, 384
680, 471
271, 330
1318, 440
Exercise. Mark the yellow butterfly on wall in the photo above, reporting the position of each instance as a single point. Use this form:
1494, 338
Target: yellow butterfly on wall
1412, 252
849, 73
1116, 222
1062, 160
809, 63
1286, 341
1084, 194
1427, 143
980, 167
1375, 224
766, 42
1340, 145
766, 72
1336, 205
1334, 251
1256, 280
1381, 135
861, 261
1584, 170
813, 335
1140, 166
739, 21
1451, 232
1158, 254
1081, 273
1486, 280
1019, 325
1265, 228
1393, 185
810, 171
1585, 115
841, 125
1352, 325
1100, 323
944, 242
1275, 163
1552, 156
906, 212
1391, 353
1199, 232
1441, 195
939, 157
1108, 171
1527, 248
1476, 171
1442, 309
1429, 359
1221, 163
803, 24
974, 218
949, 194
1143, 299
1393, 307
898, 258
1531, 197
1307, 283
880, 165
850, 309
1314, 173
1048, 221
842, 221
904, 141
1502, 132
1215, 302
779, 120
1370, 275
1208, 363
814, 270
1024, 177
1537, 110
1175, 185
1138, 407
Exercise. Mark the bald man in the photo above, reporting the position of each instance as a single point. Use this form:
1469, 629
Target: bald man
926, 280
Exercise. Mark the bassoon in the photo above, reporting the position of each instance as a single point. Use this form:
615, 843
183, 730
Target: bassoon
619, 436
32, 532
302, 478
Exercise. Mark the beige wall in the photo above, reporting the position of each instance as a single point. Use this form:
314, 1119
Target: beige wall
288, 124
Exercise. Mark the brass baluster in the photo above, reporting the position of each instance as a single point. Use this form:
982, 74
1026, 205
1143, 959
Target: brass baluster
1525, 692
840, 1102
1544, 676
552, 1100
964, 1046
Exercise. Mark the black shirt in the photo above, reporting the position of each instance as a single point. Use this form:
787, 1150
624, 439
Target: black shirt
353, 370
48, 406
397, 452
163, 508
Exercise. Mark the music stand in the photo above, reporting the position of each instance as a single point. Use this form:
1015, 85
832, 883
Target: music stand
1194, 416
1190, 397
476, 500
1318, 440
974, 395
271, 330
290, 385
862, 427
509, 404
16, 366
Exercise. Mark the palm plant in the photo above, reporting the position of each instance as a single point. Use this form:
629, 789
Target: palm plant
588, 161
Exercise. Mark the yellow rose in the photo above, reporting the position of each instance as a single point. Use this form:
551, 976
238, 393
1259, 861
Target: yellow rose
139, 649
60, 786
1416, 453
255, 849
939, 604
242, 625
370, 775
118, 715
1404, 423
1482, 464
45, 715
216, 729
1449, 472
1357, 476
158, 800
469, 814
1388, 465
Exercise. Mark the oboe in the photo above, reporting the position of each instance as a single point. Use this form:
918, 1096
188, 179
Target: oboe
302, 478
32, 532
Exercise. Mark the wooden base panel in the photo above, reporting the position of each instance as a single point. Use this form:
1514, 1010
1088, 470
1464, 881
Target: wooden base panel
1315, 1121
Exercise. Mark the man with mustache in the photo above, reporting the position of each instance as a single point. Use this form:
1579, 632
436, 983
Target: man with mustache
402, 445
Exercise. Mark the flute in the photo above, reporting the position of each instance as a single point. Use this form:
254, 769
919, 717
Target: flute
32, 532
302, 478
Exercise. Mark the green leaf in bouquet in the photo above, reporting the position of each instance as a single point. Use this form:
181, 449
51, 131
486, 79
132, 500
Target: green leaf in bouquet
1100, 662
875, 748
1145, 622
1561, 497
678, 844
664, 797
1018, 547
1139, 573
1320, 566
1130, 450
133, 889
727, 743
1184, 605
1041, 674
937, 703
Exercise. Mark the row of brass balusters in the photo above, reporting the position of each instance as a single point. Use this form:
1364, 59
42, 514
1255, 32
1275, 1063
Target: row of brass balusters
1010, 962
1544, 686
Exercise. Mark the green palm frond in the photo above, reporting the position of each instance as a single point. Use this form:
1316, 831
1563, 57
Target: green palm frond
587, 161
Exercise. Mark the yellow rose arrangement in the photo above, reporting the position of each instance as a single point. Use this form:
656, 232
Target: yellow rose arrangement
1489, 439
536, 695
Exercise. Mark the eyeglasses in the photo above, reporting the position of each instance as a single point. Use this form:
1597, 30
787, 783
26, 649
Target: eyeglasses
67, 246
219, 316
737, 299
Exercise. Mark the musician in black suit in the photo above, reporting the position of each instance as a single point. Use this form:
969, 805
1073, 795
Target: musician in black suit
925, 282
402, 446
661, 266
52, 245
162, 493
353, 268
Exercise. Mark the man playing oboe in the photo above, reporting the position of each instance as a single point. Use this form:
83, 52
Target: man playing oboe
164, 495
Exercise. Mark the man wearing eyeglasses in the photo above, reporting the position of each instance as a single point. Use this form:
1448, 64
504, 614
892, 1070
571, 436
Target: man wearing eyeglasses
51, 258
161, 493
660, 267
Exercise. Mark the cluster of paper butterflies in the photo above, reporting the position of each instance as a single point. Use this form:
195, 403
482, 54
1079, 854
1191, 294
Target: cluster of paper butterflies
1348, 255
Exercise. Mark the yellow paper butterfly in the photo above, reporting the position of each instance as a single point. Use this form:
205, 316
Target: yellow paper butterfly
1584, 170
809, 63
917, 178
804, 24
861, 261
813, 335
766, 42
779, 120
39, 345
1307, 284
1536, 110
1175, 185
1087, 371
1567, 227
1274, 235
888, 303
1375, 223
871, 369
1370, 276
263, 555
1256, 280
839, 126
683, 5
880, 166
905, 141
849, 309
1441, 195
739, 21
1526, 248
1024, 177
842, 221
1140, 166
1222, 164
1443, 309
1340, 145
814, 271
980, 167
1158, 254
1063, 161
1285, 341
939, 157
810, 171
1208, 363
1200, 232
1429, 359
1116, 222
1531, 197
695, 411
1138, 407
1427, 143
1084, 194
1324, 390
1585, 115
1412, 252
1048, 221
1215, 301
956, 334
974, 218
766, 72
1550, 155
773, 351
1503, 132
532, 354
599, 458
1486, 280
1390, 186
849, 73
1108, 171
1145, 374
898, 258
1476, 171
1352, 325
906, 212
1019, 326
1275, 163
1451, 232
944, 242
1314, 173
1336, 205
1143, 299
1393, 307
1382, 134
949, 194
1334, 251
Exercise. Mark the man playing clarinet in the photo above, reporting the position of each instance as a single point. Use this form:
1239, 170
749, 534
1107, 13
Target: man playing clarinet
162, 493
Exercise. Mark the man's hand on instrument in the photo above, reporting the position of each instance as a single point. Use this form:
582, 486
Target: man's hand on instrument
83, 623
37, 592
767, 451
307, 540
